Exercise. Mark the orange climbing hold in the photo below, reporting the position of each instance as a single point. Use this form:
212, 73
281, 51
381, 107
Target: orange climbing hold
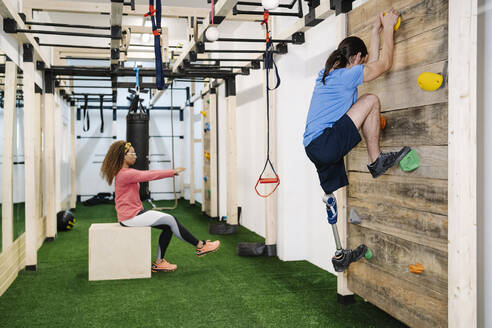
416, 268
383, 122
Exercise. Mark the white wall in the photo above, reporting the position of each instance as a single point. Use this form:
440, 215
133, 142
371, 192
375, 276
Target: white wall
303, 230
91, 152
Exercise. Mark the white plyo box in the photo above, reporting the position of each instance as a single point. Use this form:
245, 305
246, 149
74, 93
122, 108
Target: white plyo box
117, 252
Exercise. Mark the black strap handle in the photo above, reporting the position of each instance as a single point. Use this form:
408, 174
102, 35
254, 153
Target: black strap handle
86, 118
101, 101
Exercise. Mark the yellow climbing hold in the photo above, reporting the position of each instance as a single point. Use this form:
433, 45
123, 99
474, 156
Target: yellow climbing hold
398, 22
204, 113
430, 81
207, 155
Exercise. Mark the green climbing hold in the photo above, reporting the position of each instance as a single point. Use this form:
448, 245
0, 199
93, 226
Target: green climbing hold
410, 162
368, 254
208, 101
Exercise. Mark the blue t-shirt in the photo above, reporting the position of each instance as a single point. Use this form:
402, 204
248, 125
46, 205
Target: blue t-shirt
332, 100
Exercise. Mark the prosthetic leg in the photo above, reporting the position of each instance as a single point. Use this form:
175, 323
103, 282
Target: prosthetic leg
343, 257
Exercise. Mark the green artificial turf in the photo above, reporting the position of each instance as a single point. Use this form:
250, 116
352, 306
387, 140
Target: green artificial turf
218, 290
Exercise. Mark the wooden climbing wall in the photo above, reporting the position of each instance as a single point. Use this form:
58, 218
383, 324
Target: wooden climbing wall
404, 215
209, 128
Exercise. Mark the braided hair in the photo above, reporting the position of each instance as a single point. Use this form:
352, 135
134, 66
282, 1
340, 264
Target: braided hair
339, 58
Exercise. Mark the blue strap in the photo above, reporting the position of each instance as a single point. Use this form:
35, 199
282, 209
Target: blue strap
269, 59
137, 84
156, 26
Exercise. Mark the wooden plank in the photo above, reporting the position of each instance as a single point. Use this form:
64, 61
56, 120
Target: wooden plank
416, 126
192, 148
38, 157
214, 209
411, 303
417, 17
58, 124
393, 255
365, 15
463, 166
73, 172
231, 149
41, 232
11, 254
11, 261
205, 140
425, 48
397, 90
49, 166
8, 154
423, 194
271, 211
30, 141
433, 162
427, 229
9, 10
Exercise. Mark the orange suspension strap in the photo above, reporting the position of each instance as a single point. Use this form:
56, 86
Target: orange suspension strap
268, 64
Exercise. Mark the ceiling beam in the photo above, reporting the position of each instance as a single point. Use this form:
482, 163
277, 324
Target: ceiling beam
7, 10
105, 8
222, 9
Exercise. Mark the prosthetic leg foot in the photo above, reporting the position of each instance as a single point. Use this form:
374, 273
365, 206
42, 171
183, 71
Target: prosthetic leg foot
343, 257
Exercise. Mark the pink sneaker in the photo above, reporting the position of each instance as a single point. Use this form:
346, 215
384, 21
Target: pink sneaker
209, 247
163, 266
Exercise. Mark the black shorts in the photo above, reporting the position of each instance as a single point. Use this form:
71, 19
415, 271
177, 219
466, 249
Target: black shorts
327, 152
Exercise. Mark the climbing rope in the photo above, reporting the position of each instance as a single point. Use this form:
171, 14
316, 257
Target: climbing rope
155, 14
269, 63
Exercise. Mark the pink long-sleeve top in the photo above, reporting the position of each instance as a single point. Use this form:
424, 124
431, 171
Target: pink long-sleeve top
127, 186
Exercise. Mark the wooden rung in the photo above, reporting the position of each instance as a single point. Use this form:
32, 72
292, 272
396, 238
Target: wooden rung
197, 140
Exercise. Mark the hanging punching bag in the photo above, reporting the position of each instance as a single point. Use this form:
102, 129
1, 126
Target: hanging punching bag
137, 132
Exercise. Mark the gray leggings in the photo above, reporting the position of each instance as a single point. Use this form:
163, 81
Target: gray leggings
167, 223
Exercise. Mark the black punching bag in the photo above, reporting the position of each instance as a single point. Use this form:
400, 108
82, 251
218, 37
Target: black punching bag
137, 132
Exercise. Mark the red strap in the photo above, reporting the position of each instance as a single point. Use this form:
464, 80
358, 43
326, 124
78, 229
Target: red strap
156, 32
266, 15
151, 11
268, 180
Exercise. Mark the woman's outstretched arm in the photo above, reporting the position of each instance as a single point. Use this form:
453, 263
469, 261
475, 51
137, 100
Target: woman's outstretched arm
134, 176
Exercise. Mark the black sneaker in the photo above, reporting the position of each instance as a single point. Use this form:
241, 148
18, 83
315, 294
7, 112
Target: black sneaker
343, 258
387, 160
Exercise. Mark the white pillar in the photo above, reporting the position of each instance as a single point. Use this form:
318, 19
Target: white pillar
231, 148
49, 157
30, 141
462, 164
8, 154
